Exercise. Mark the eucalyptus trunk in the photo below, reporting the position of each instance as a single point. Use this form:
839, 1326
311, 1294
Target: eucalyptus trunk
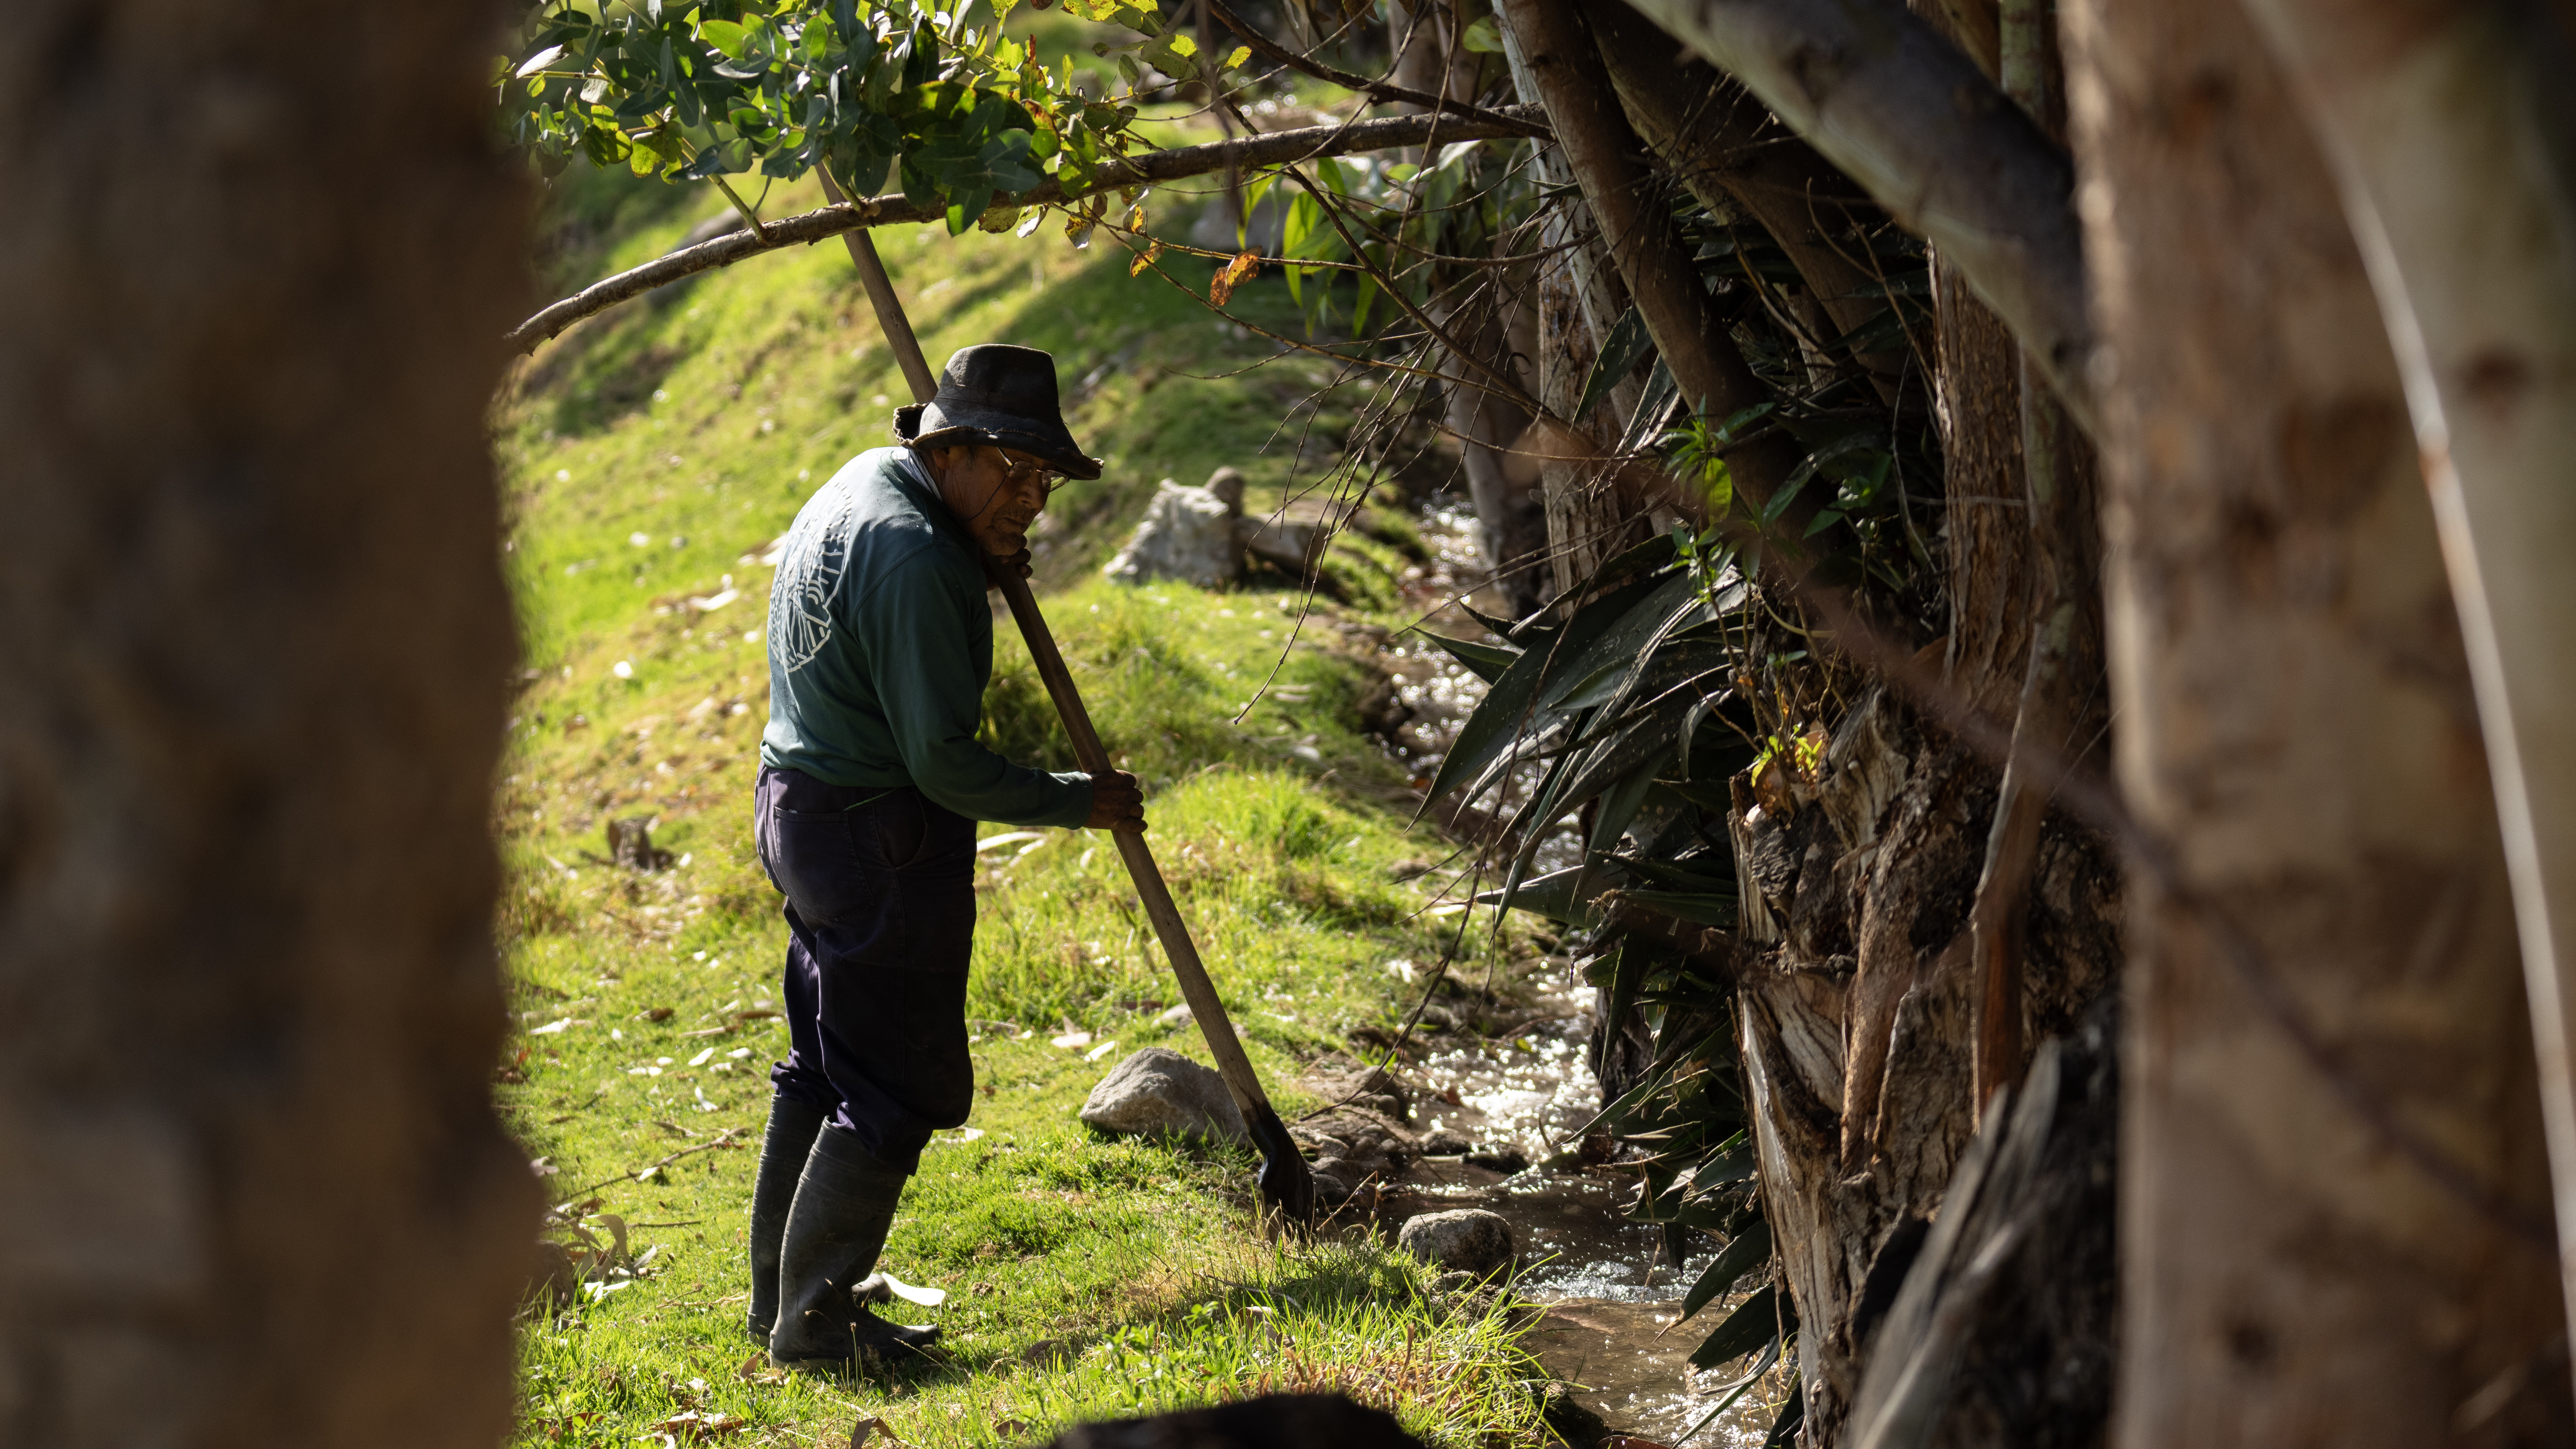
2452, 134
256, 645
2333, 1188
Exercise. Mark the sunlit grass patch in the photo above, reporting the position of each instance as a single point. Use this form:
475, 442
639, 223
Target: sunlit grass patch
649, 459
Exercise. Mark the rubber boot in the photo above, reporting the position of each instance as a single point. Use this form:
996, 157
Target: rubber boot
792, 1125
835, 1229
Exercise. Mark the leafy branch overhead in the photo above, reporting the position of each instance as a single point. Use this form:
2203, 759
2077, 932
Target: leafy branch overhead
780, 87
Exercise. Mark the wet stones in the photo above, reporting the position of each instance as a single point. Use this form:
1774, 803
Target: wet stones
1467, 1240
1340, 1080
1159, 1091
1446, 1142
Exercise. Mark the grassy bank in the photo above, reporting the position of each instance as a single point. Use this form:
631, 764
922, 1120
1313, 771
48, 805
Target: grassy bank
651, 456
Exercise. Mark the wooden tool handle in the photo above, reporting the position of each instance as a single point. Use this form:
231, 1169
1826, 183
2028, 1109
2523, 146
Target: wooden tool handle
1196, 988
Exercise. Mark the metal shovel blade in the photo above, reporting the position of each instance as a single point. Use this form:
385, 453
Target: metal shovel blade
1287, 1188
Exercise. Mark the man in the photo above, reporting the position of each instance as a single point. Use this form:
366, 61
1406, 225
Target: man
871, 781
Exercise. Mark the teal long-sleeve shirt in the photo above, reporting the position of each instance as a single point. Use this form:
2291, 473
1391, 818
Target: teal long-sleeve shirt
880, 645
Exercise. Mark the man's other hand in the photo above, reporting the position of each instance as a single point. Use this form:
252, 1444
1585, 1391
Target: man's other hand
1017, 563
1117, 802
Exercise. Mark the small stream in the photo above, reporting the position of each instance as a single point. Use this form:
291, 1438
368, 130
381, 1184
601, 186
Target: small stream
1611, 1297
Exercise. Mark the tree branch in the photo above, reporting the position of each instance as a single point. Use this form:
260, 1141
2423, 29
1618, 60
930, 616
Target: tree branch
1903, 112
1276, 148
1377, 90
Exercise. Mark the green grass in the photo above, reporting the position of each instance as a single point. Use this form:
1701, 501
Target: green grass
1088, 1277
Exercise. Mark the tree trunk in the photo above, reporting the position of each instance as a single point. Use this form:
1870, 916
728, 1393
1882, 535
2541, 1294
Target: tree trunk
1590, 517
1652, 262
255, 635
2333, 1185
1732, 156
1904, 113
1857, 1038
2451, 141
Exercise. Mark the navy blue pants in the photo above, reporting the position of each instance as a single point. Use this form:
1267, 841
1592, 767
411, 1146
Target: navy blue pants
880, 921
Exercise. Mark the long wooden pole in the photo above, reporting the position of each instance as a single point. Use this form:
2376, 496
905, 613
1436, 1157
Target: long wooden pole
1285, 1183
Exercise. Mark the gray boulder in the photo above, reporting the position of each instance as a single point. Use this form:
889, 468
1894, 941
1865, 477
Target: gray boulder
1189, 534
1158, 1090
1468, 1240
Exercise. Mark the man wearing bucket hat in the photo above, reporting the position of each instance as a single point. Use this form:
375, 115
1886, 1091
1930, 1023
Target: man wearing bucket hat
871, 781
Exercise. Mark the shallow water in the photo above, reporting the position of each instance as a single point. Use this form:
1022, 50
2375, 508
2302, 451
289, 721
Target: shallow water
1610, 1297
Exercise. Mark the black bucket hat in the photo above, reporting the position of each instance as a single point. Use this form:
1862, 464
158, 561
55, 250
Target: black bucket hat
999, 394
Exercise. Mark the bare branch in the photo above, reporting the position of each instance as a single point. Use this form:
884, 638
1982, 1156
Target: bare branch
1276, 148
1907, 115
1377, 90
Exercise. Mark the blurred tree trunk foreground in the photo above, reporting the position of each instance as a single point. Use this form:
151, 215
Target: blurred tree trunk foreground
256, 645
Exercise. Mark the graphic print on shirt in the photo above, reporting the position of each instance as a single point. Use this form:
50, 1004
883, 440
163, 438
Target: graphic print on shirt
800, 602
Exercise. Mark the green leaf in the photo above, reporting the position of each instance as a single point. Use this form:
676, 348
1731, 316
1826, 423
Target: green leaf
1486, 661
1750, 1250
1620, 351
1755, 1322
1619, 806
1624, 644
1561, 895
1710, 908
726, 36
1511, 704
1793, 1417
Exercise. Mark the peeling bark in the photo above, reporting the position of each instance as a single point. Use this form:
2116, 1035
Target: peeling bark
1858, 1065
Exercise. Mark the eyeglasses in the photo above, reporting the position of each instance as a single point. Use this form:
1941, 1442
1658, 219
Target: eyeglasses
1017, 473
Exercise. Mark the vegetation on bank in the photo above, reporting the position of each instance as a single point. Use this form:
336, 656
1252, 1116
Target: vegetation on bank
651, 457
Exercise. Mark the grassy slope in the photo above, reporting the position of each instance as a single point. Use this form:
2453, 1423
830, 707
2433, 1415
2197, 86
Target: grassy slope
1088, 1278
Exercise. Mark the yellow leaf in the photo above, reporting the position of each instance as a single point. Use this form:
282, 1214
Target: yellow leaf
1145, 259
1235, 273
1241, 54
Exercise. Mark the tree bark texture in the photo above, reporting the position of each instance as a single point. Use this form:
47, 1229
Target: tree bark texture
1908, 115
1987, 513
2450, 130
256, 642
2305, 1258
1858, 1032
2003, 1325
1654, 265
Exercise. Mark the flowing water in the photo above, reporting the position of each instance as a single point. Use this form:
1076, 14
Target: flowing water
1610, 1294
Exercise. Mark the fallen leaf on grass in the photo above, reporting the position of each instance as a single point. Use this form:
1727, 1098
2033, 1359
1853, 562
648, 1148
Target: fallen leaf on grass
1102, 1050
864, 1429
884, 1287
1071, 1039
694, 1424
1010, 1428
